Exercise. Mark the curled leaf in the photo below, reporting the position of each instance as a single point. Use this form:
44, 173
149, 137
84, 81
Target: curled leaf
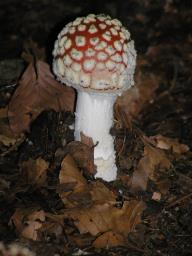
152, 161
83, 155
105, 217
28, 222
37, 91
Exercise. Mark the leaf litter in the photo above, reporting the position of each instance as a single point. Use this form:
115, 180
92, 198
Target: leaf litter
89, 212
92, 206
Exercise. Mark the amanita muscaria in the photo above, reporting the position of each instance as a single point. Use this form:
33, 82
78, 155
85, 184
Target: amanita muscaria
95, 55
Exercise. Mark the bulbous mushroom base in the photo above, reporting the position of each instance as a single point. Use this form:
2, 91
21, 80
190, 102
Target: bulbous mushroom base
94, 118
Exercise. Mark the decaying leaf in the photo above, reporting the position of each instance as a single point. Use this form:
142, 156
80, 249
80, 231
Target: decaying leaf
169, 143
27, 222
101, 218
92, 207
37, 91
76, 191
35, 171
109, 239
153, 160
71, 174
83, 155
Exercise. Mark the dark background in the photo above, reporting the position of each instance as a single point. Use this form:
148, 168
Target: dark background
41, 20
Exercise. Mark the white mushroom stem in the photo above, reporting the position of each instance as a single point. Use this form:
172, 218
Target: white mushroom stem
94, 118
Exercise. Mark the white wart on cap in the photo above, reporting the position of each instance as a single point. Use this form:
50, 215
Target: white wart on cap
95, 52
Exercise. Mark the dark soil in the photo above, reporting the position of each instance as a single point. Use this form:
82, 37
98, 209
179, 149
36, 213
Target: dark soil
159, 26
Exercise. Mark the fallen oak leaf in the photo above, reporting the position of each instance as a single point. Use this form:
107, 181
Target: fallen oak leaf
37, 91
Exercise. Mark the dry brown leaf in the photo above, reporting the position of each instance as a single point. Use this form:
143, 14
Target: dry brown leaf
83, 155
28, 222
70, 173
72, 181
152, 159
109, 239
35, 171
105, 217
37, 91
101, 194
164, 142
92, 206
76, 191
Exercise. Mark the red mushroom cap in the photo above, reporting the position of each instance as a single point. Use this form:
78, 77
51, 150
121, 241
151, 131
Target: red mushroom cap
95, 52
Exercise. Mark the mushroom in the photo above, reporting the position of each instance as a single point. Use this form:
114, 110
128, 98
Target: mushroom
95, 55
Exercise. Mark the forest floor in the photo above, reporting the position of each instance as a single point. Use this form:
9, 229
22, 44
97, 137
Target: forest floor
49, 199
